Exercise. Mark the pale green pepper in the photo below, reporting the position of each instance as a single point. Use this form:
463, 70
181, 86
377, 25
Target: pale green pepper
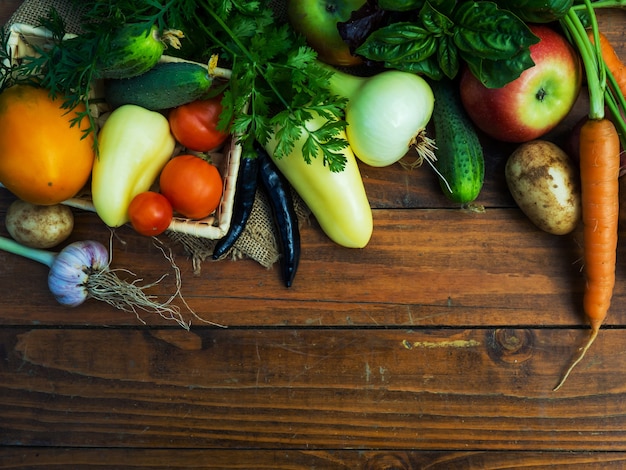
337, 199
134, 145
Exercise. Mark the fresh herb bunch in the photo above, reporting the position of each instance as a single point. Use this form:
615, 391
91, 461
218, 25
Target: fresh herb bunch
433, 38
276, 82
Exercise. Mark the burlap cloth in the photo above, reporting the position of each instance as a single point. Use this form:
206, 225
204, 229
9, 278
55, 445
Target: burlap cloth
31, 11
258, 241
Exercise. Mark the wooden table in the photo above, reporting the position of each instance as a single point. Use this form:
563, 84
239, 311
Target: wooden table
436, 346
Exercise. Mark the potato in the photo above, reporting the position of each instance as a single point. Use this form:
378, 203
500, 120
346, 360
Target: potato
39, 226
545, 184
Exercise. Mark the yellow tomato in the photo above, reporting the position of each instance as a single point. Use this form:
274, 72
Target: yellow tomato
43, 160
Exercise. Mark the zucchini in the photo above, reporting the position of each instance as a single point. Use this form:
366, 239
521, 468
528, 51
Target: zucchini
131, 51
166, 85
460, 161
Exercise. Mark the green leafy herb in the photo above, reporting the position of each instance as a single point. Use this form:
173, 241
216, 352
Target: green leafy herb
276, 85
12, 71
537, 11
494, 42
68, 67
276, 82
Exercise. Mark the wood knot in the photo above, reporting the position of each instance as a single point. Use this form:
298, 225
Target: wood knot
510, 345
389, 461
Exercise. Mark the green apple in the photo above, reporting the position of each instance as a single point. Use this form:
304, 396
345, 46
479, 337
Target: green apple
534, 103
317, 21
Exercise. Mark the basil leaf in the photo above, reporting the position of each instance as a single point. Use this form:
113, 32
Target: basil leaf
398, 41
494, 42
428, 67
534, 11
486, 32
497, 73
435, 21
448, 57
444, 7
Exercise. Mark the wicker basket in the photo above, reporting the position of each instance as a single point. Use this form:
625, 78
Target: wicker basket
23, 37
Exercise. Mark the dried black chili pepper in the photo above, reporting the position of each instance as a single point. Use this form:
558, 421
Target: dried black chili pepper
285, 218
247, 183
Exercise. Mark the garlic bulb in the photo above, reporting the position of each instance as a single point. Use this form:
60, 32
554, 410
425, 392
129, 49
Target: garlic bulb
81, 271
71, 269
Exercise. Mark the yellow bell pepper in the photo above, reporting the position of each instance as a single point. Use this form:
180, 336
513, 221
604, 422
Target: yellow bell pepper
337, 199
134, 145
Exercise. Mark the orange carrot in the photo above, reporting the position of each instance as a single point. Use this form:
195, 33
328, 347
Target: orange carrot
599, 171
611, 60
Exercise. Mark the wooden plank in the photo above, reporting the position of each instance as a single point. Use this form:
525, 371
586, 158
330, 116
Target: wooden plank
428, 267
435, 347
440, 267
291, 459
431, 389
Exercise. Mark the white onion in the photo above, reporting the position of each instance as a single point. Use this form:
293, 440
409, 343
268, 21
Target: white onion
386, 114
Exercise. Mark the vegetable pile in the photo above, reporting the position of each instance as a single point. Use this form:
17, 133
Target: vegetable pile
183, 80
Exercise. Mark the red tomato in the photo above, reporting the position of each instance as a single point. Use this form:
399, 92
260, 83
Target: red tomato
150, 213
194, 124
192, 185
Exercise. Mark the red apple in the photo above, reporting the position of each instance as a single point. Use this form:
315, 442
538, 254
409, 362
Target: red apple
535, 102
317, 21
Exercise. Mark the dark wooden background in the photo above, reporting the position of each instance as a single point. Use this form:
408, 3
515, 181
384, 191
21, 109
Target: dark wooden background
437, 346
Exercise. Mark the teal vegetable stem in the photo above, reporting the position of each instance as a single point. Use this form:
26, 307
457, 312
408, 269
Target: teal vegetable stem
41, 256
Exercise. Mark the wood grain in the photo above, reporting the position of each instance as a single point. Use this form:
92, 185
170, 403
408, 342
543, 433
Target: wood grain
436, 347
305, 459
310, 389
427, 267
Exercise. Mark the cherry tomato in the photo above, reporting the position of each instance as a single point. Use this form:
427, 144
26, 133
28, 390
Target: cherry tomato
150, 213
192, 185
194, 124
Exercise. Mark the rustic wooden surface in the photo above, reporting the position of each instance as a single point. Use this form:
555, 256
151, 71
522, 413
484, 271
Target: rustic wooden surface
437, 347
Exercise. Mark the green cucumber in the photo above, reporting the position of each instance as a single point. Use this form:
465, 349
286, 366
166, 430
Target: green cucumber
131, 51
166, 85
460, 160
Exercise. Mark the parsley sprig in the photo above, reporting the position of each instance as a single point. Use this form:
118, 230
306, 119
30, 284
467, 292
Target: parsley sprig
277, 84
